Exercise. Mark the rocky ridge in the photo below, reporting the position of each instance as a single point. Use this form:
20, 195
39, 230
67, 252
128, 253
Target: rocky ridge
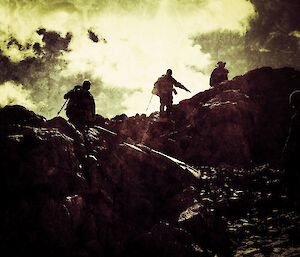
205, 182
241, 123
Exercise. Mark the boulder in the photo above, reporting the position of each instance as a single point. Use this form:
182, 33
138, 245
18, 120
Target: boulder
19, 115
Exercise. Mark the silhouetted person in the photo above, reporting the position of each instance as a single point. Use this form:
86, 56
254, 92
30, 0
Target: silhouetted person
81, 106
292, 147
219, 74
163, 87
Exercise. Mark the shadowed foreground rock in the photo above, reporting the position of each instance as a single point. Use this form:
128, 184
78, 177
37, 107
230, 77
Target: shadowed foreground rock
95, 193
66, 193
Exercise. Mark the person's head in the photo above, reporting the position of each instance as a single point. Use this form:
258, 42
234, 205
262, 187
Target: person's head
169, 72
221, 64
86, 85
294, 99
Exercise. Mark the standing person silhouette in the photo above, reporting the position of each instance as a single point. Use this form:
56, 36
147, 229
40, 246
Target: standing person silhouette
81, 105
163, 87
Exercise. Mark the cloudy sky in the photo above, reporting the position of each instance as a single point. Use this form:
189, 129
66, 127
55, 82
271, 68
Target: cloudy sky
122, 46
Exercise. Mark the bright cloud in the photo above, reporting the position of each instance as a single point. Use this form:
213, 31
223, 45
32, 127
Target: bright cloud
137, 44
11, 94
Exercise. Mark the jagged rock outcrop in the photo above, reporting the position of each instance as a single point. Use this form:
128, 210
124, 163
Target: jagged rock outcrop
98, 192
241, 122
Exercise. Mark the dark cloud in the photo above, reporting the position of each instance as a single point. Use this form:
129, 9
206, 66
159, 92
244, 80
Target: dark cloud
271, 32
270, 40
96, 38
54, 42
6, 68
225, 46
32, 67
93, 36
44, 75
274, 18
40, 73
15, 42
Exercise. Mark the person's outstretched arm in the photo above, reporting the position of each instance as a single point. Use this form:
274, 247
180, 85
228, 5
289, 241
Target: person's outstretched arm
178, 84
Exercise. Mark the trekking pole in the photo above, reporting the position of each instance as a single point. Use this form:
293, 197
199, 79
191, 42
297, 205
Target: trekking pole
62, 107
149, 102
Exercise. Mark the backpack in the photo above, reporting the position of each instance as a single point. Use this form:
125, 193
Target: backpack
162, 86
155, 90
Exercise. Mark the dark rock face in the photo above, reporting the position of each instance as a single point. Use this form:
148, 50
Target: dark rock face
19, 115
80, 194
97, 193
